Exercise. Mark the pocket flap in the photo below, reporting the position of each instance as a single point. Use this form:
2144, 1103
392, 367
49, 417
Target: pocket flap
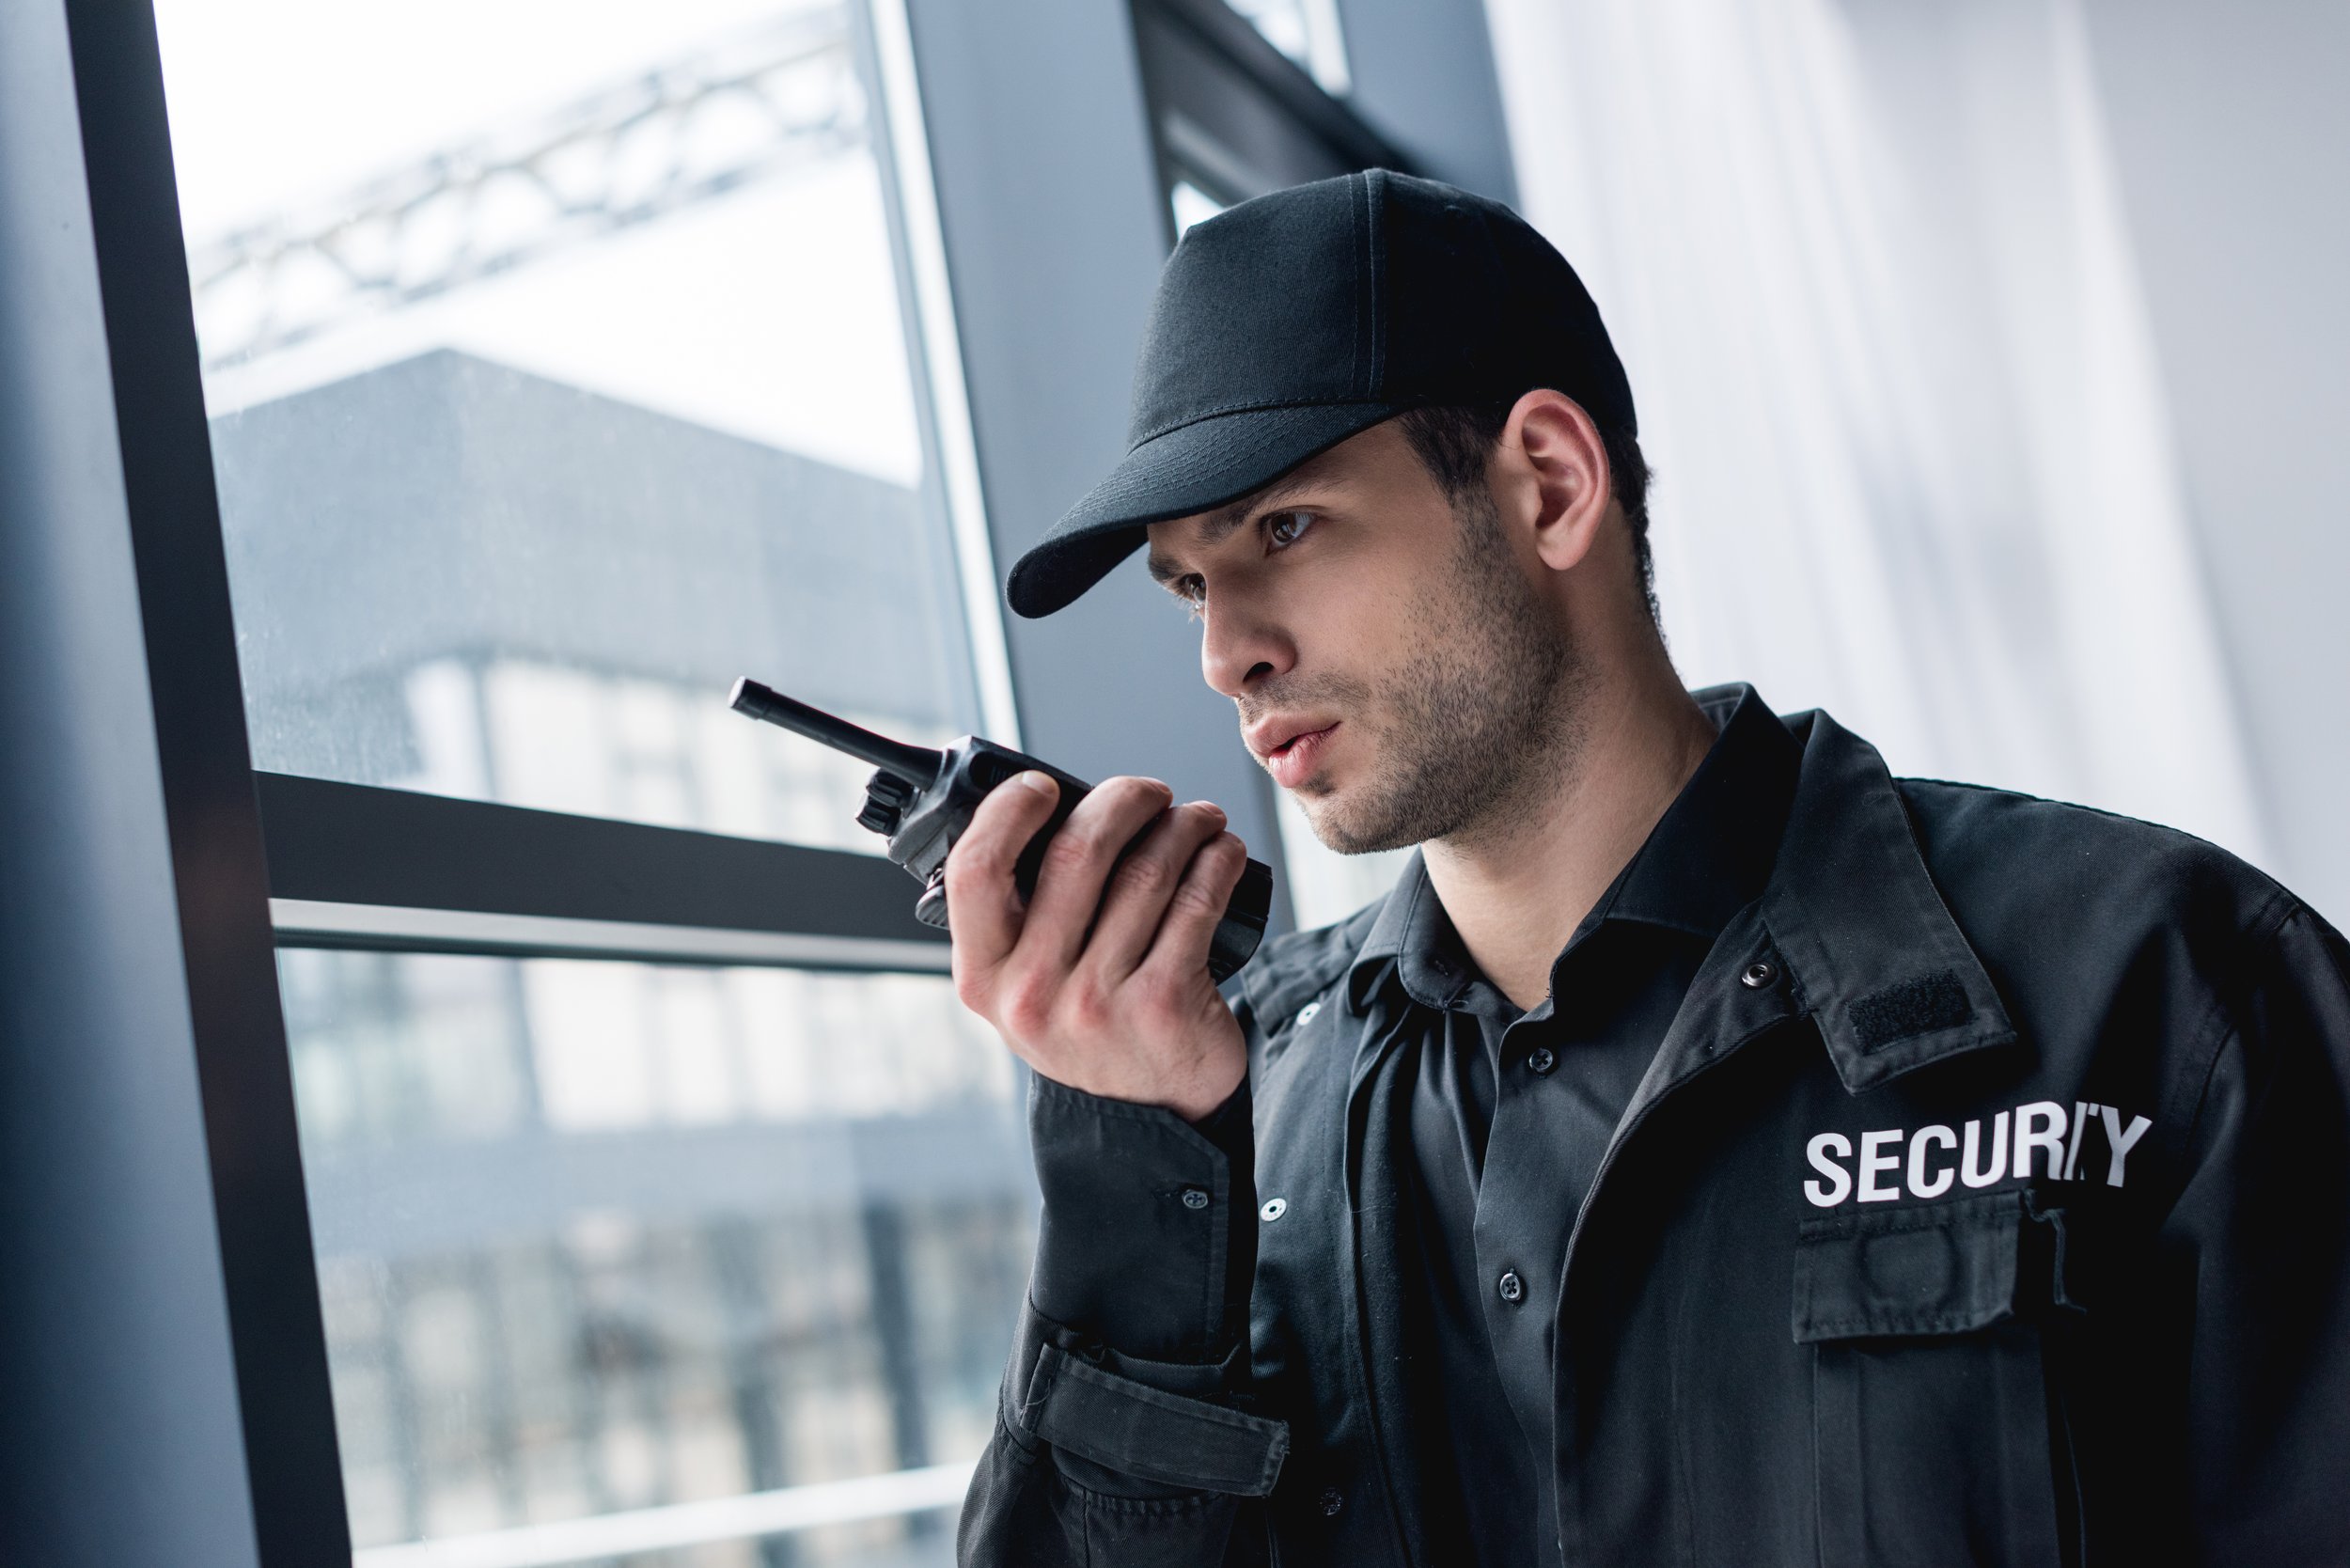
1941, 1268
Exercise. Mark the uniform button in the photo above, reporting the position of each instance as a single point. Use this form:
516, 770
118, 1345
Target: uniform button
1512, 1288
1541, 1059
1273, 1209
1306, 1014
1332, 1502
1194, 1198
1757, 976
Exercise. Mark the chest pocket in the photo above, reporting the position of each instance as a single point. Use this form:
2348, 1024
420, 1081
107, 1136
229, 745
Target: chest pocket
1936, 1434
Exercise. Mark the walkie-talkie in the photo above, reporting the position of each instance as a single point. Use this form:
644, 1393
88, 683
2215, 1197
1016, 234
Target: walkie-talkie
921, 800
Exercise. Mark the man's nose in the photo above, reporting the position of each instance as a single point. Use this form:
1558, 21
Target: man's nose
1240, 649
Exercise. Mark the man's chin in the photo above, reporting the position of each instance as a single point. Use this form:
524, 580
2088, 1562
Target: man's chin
1342, 831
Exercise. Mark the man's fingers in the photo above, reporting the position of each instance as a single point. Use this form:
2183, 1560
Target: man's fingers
982, 898
1142, 887
1077, 864
1181, 948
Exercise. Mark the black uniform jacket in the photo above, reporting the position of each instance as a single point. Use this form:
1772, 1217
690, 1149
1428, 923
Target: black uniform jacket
1986, 1203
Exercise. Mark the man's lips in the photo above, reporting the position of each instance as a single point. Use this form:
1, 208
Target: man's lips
1295, 760
1272, 737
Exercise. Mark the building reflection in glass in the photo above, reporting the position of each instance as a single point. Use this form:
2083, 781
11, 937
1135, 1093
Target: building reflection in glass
598, 1236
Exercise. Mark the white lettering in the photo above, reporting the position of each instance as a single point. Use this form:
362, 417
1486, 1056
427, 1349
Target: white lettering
1984, 1175
2122, 1142
2073, 1149
1920, 1185
2048, 1134
1872, 1162
1837, 1186
1980, 1153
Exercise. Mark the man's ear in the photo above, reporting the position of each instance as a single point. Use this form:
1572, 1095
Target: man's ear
1552, 473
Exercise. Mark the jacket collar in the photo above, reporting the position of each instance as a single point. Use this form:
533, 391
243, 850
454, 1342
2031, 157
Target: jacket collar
1876, 959
1871, 953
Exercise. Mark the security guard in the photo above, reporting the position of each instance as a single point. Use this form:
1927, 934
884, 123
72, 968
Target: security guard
1713, 1149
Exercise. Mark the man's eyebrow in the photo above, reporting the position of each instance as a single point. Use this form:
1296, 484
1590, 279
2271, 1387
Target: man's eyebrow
1228, 520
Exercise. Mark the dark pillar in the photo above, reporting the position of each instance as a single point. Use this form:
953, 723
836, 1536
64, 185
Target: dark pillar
142, 1061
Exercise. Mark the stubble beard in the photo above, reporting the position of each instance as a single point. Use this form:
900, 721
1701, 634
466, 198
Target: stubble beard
1478, 729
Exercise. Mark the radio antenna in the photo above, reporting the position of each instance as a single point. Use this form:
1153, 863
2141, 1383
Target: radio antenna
918, 766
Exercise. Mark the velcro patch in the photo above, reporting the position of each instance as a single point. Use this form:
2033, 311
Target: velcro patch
1914, 1006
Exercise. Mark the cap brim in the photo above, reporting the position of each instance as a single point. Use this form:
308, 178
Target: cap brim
1208, 463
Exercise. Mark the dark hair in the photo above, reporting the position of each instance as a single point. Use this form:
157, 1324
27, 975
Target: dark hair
1456, 441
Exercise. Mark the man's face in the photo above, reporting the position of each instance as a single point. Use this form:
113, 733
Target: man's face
1395, 665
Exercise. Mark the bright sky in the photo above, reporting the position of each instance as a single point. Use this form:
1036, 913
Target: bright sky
772, 313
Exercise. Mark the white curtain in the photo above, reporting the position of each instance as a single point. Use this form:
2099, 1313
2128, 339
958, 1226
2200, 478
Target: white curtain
1867, 265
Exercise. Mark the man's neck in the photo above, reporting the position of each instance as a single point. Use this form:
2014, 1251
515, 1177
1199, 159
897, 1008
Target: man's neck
1515, 896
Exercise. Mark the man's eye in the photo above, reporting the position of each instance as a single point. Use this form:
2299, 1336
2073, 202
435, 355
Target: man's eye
1285, 528
1194, 593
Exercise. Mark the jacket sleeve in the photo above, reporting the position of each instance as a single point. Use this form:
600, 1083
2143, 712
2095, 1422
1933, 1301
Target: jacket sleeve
2264, 1226
1123, 1434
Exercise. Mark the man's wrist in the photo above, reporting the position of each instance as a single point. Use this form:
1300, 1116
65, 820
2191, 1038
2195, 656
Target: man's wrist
1192, 1098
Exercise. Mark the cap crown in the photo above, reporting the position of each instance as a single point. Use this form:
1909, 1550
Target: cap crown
1373, 288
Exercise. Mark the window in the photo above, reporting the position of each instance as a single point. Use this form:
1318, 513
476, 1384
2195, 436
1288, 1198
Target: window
637, 1246
561, 367
559, 374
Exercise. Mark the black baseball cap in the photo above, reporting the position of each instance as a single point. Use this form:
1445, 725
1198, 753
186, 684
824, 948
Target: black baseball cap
1289, 322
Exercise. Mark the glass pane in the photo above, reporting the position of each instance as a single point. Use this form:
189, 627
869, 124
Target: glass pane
558, 375
599, 1238
1192, 205
1308, 32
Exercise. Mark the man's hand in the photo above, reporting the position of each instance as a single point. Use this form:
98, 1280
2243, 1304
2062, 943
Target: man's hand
1103, 991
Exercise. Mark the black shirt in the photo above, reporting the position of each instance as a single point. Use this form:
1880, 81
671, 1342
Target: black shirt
1510, 1111
1508, 1116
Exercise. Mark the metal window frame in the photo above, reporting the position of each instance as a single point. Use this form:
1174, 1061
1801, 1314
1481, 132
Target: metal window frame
1424, 95
1227, 41
353, 866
